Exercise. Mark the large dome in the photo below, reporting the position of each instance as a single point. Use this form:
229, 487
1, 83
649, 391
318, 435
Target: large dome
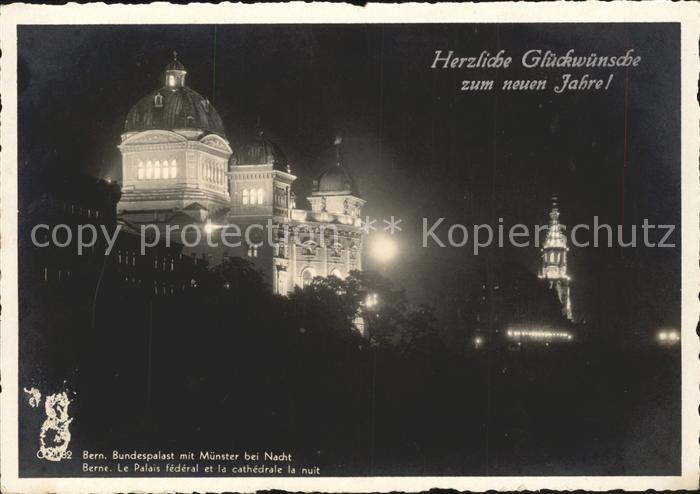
174, 106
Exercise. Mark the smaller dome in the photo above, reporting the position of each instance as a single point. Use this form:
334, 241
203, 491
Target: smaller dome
261, 151
336, 179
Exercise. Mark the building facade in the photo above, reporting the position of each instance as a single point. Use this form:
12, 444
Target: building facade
179, 169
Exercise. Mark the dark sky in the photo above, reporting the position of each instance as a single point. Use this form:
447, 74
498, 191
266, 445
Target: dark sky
417, 145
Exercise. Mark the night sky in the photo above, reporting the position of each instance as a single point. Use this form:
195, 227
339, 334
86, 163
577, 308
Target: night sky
417, 146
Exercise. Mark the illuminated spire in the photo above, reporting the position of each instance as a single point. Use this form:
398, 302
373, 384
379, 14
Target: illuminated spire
554, 258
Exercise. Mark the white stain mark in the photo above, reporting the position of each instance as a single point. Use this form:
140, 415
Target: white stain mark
55, 433
34, 397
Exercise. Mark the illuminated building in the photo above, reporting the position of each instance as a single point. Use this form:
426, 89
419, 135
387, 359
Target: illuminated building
179, 169
174, 153
522, 333
554, 260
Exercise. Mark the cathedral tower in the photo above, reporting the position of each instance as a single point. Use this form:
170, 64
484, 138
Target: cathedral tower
174, 154
554, 262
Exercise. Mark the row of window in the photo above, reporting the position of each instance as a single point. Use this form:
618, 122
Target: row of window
155, 171
253, 196
308, 275
149, 170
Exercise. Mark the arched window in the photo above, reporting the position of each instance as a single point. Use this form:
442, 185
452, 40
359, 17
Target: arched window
158, 100
173, 169
156, 170
307, 276
149, 170
336, 272
245, 196
166, 169
140, 170
260, 196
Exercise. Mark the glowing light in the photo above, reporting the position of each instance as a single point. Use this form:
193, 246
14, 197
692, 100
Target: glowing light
383, 249
478, 341
209, 227
668, 336
543, 335
371, 300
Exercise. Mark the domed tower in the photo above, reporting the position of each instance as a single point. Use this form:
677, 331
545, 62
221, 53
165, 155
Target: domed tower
261, 180
335, 191
174, 153
260, 185
554, 259
331, 234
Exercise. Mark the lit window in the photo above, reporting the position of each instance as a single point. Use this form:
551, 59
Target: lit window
307, 277
173, 169
149, 170
171, 80
140, 170
158, 100
156, 171
252, 250
260, 196
245, 196
166, 170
